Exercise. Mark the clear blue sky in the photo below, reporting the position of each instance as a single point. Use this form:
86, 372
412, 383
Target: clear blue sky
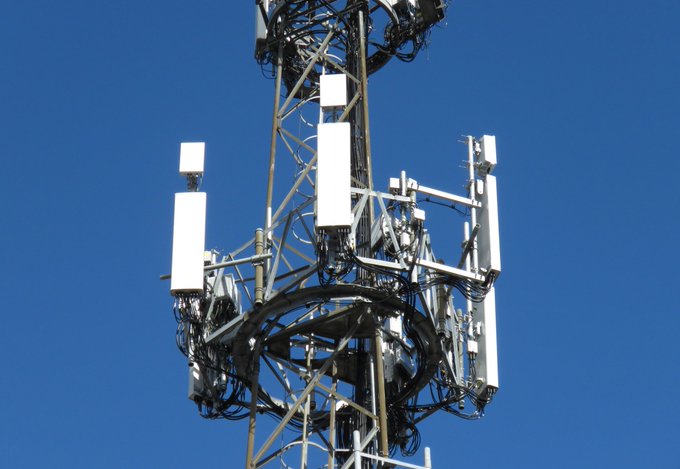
583, 97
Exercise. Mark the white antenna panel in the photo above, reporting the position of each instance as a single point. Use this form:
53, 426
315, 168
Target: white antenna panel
333, 184
486, 362
333, 91
188, 242
191, 158
489, 246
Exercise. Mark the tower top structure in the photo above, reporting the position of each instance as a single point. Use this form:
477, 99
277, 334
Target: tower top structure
341, 322
289, 29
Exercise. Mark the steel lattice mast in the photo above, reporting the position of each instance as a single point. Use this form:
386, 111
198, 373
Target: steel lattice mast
341, 315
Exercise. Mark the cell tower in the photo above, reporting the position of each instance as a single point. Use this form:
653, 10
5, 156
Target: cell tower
336, 317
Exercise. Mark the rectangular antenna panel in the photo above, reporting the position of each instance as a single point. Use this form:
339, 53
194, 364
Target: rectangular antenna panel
487, 357
488, 240
333, 91
333, 169
191, 157
260, 27
188, 242
487, 158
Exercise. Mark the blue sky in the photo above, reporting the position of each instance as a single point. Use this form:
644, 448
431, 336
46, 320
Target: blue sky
583, 98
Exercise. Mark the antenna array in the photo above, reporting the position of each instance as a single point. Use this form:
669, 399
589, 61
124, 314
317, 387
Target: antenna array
336, 318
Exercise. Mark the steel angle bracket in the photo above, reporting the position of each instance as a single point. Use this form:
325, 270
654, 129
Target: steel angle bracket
452, 271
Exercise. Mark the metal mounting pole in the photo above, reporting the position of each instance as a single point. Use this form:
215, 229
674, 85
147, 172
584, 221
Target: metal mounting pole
254, 387
364, 100
306, 409
331, 427
382, 404
259, 268
473, 197
356, 443
272, 148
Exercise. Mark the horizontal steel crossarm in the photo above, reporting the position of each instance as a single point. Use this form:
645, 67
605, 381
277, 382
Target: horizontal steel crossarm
221, 265
452, 271
391, 462
383, 264
308, 389
245, 260
398, 198
450, 197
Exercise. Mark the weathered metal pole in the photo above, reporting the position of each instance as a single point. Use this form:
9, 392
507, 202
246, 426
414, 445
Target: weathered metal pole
364, 102
272, 147
259, 268
382, 401
331, 430
356, 443
254, 388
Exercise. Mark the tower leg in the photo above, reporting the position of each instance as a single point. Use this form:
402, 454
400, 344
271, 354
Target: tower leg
254, 386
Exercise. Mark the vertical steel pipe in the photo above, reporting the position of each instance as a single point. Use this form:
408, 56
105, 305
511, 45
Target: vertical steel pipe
382, 401
364, 102
356, 439
259, 267
272, 147
254, 387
